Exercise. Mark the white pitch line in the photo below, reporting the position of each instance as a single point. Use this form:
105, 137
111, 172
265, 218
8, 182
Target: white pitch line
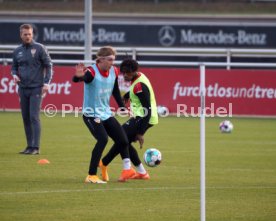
133, 189
95, 190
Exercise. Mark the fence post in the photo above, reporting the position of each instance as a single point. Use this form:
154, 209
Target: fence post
228, 59
134, 54
202, 143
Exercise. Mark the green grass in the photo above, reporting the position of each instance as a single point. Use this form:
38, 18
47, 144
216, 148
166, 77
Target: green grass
240, 172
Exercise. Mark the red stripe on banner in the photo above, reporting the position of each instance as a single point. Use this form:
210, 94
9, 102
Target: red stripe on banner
249, 92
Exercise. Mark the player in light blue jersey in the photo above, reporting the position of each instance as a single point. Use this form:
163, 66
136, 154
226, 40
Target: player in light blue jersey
100, 82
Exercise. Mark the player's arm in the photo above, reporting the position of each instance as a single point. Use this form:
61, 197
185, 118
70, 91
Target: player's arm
142, 92
83, 74
116, 91
116, 94
126, 97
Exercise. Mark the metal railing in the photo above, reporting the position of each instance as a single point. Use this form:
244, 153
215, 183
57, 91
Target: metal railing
227, 53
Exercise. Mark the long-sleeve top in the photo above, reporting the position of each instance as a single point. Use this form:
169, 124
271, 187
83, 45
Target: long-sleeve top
142, 92
88, 78
32, 64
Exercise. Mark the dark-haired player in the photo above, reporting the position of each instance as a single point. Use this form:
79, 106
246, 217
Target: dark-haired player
144, 110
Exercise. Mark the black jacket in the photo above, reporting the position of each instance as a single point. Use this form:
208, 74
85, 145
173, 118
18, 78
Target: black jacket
29, 62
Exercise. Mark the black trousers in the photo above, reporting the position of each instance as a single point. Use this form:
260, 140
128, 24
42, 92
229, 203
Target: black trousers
100, 131
131, 129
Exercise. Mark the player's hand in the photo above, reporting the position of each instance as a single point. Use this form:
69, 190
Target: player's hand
79, 70
16, 79
140, 139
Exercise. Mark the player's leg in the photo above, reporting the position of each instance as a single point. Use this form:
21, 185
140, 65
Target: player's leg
118, 135
107, 159
133, 128
98, 131
112, 153
115, 149
141, 171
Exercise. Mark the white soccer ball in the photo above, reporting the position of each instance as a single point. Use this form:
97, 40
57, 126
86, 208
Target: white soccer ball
226, 126
162, 110
152, 157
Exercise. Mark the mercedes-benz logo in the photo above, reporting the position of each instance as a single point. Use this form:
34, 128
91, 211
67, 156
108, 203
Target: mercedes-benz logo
167, 35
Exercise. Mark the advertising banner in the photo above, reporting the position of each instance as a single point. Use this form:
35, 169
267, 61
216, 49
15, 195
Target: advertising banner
126, 34
237, 92
242, 92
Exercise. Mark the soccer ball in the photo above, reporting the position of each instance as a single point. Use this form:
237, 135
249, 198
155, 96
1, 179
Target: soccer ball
226, 126
152, 157
162, 110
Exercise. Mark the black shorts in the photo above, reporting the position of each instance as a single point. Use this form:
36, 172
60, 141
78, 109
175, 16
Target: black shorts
132, 126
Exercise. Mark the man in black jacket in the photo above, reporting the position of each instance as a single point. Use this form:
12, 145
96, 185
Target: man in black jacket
30, 60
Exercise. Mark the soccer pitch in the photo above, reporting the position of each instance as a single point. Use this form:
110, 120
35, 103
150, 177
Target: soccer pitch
240, 173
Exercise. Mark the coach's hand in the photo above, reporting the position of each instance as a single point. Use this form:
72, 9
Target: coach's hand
140, 139
16, 79
45, 89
